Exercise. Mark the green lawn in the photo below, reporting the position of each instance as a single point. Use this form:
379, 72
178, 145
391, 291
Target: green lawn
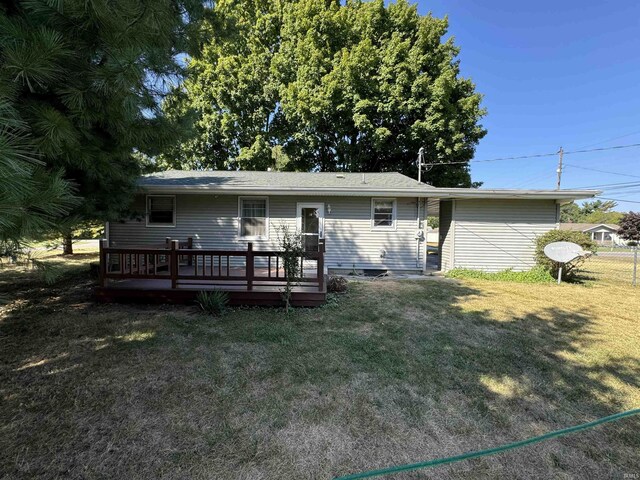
389, 373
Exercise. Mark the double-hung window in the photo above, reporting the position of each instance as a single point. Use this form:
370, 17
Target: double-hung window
161, 210
383, 213
253, 218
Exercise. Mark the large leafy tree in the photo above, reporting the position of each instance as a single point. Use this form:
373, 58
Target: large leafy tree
328, 85
83, 80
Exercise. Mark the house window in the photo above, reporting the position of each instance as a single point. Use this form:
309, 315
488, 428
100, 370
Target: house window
607, 236
383, 213
161, 210
253, 218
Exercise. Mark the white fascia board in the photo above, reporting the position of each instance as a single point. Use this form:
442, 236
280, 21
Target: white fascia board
290, 191
433, 192
562, 195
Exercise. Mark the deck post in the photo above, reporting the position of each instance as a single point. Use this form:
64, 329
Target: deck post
102, 273
173, 263
190, 257
249, 266
320, 264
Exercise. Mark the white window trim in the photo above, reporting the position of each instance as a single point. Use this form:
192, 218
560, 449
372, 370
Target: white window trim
394, 222
160, 225
238, 219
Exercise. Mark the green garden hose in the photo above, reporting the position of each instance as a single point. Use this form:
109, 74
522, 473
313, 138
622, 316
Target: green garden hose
490, 451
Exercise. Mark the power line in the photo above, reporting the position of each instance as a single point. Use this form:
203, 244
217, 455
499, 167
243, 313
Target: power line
619, 200
616, 147
610, 139
536, 179
538, 155
601, 171
634, 183
492, 159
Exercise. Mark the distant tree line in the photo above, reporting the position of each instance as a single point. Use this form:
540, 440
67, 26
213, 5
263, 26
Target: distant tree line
596, 211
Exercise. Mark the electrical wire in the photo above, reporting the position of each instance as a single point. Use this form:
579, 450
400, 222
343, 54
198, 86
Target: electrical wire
536, 179
538, 155
619, 200
634, 183
610, 139
616, 147
600, 171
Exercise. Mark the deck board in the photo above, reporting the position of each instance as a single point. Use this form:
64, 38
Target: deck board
267, 283
266, 293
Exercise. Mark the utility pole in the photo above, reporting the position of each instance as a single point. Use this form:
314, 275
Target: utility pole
420, 153
559, 170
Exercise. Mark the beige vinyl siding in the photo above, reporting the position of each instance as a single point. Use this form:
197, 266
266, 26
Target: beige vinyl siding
445, 234
351, 241
494, 235
212, 221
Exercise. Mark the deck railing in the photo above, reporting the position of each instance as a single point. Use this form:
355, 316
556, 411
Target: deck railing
181, 264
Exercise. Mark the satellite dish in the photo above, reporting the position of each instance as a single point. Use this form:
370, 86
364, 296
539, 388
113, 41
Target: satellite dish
564, 252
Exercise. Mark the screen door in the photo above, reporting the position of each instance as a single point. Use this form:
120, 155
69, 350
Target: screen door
310, 224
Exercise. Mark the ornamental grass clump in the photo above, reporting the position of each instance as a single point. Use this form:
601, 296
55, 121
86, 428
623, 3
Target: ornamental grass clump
214, 302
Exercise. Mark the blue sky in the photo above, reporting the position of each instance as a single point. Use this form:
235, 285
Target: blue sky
553, 73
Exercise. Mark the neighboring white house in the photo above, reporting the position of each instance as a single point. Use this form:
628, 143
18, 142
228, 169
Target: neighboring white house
601, 233
370, 221
433, 235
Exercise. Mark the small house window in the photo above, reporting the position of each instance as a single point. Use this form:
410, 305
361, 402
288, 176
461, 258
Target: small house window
383, 213
254, 218
606, 236
161, 210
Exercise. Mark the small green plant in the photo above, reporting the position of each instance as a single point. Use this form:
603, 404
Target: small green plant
213, 301
569, 270
291, 252
535, 275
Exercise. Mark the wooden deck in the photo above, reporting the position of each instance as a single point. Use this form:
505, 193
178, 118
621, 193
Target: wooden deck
177, 275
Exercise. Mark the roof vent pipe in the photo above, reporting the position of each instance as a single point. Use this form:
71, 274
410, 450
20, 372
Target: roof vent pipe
364, 180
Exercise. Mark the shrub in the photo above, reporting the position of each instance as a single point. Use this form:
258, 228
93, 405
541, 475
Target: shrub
213, 301
291, 252
630, 228
336, 284
535, 275
569, 271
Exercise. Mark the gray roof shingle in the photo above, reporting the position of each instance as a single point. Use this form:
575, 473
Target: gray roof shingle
277, 179
327, 183
581, 227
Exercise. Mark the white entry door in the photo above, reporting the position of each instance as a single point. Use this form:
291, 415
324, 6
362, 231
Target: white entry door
311, 224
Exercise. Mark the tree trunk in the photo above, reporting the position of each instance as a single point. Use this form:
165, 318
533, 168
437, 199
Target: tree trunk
67, 244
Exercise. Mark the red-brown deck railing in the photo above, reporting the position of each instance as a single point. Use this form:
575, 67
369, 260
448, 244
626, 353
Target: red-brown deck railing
180, 263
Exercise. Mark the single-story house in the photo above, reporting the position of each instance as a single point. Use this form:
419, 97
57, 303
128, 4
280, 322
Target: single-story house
368, 221
601, 233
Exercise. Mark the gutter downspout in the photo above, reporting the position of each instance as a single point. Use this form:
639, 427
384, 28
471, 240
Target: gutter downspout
418, 263
426, 244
